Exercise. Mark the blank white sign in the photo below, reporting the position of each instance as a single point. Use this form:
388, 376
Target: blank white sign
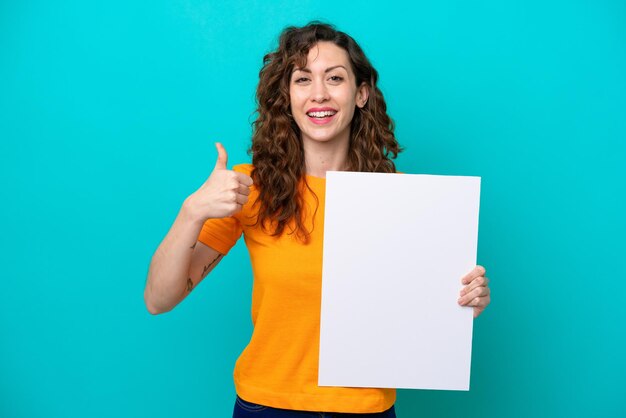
395, 249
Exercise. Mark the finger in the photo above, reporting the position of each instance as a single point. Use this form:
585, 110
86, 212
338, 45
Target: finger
478, 281
242, 199
477, 303
481, 302
476, 272
244, 190
244, 179
476, 293
222, 157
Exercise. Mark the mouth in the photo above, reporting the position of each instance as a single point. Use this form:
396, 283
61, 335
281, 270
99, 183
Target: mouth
321, 117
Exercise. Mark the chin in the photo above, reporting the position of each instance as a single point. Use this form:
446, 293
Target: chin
322, 138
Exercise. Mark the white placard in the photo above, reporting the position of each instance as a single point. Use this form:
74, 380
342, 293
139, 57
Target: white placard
395, 249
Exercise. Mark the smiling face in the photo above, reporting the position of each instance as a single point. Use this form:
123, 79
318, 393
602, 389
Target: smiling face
324, 94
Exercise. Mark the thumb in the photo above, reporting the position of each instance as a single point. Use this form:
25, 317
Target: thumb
222, 157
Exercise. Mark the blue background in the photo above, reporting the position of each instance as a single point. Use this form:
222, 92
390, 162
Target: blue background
108, 114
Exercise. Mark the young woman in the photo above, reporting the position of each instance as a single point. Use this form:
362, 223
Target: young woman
319, 109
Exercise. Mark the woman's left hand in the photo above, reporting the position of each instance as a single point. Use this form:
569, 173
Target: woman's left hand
476, 291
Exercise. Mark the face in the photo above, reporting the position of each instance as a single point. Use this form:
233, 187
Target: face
324, 95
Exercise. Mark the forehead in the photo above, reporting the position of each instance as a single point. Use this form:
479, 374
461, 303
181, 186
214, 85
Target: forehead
326, 54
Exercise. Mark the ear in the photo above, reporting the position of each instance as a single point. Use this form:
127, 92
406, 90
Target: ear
362, 94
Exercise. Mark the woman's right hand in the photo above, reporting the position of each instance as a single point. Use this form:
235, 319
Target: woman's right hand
223, 194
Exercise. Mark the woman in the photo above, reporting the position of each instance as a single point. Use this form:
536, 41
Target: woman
319, 109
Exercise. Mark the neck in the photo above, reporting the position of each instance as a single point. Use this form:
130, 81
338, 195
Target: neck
321, 157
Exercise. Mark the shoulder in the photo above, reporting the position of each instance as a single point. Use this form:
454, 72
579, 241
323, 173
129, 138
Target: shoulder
243, 168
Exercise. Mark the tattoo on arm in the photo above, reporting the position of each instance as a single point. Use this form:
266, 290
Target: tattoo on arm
206, 268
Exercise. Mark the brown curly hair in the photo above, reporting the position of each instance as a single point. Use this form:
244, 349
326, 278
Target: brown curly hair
277, 150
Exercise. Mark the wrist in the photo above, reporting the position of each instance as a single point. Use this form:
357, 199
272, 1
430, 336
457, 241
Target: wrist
189, 212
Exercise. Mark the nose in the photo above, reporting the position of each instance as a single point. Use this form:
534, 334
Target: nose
319, 92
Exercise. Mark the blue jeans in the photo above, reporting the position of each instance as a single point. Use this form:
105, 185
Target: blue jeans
245, 409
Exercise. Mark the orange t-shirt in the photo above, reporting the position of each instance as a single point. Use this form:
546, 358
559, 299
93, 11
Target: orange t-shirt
279, 366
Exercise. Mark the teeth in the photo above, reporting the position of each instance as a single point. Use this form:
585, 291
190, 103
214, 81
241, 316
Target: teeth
322, 114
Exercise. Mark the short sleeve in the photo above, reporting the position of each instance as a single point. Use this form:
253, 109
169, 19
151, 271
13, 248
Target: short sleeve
220, 234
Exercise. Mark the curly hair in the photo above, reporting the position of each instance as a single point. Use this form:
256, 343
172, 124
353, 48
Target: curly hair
277, 149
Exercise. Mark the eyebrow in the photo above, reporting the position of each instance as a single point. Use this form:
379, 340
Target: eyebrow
329, 69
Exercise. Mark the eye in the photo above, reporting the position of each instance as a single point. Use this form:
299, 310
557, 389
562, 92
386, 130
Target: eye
336, 78
301, 80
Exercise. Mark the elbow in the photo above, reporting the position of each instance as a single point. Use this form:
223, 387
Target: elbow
152, 308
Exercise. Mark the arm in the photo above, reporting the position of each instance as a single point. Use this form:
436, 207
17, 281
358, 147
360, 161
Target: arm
178, 265
181, 262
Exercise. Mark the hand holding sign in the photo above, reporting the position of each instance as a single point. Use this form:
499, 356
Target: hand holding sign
476, 293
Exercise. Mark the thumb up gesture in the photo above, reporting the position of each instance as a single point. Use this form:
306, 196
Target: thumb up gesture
223, 194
